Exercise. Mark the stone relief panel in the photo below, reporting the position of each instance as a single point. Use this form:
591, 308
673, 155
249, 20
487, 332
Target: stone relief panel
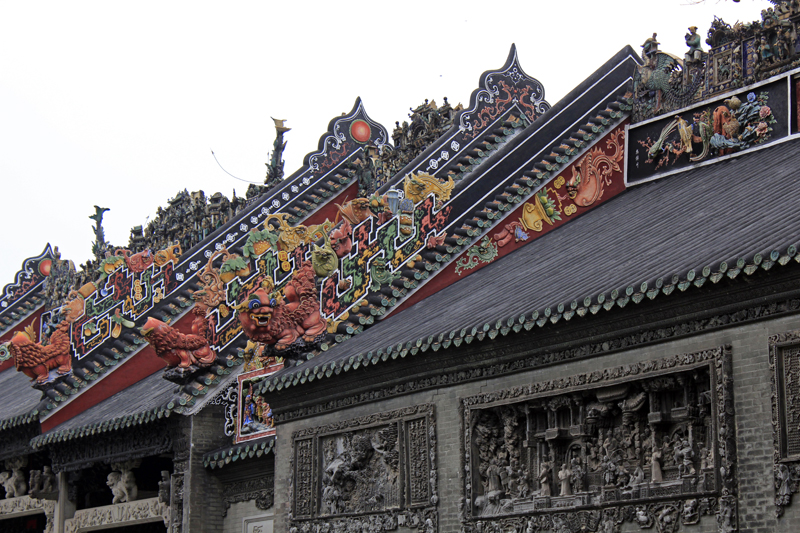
374, 473
25, 505
649, 443
119, 515
784, 362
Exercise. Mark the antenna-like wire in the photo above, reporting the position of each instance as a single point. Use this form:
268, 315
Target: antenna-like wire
231, 175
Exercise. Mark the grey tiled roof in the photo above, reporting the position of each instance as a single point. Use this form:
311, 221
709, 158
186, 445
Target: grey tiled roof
143, 402
647, 241
241, 451
20, 400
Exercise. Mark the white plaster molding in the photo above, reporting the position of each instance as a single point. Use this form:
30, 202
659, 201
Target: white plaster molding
119, 515
25, 505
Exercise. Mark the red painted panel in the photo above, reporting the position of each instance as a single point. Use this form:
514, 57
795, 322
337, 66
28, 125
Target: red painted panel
601, 171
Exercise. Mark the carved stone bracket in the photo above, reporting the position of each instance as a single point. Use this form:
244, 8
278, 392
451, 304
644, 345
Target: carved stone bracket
25, 505
369, 474
650, 443
261, 489
119, 515
784, 363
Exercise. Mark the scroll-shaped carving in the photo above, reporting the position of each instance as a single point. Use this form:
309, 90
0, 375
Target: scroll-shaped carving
119, 515
25, 505
651, 442
374, 473
784, 362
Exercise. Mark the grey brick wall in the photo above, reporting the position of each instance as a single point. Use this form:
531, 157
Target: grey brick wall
203, 506
752, 395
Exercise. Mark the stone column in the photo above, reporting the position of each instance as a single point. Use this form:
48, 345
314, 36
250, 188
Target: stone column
65, 508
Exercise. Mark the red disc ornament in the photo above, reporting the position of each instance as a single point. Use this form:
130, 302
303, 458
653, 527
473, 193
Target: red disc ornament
44, 267
360, 131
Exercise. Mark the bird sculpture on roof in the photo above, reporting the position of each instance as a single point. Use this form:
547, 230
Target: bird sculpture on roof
685, 132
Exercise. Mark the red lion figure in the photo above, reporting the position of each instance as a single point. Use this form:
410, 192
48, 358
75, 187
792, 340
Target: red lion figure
36, 361
278, 323
178, 349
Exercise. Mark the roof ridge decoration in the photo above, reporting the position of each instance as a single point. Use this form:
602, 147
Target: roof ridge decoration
163, 290
382, 251
354, 128
28, 283
509, 84
748, 119
500, 93
469, 244
739, 55
378, 265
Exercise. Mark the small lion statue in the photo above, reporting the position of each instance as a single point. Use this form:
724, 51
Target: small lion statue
123, 486
14, 483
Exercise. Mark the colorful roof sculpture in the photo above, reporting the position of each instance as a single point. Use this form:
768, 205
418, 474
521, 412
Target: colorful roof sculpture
330, 269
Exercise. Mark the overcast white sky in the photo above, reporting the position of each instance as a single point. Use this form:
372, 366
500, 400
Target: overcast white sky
119, 103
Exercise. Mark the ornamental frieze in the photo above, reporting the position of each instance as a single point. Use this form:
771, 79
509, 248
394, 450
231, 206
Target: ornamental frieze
651, 443
784, 362
25, 505
119, 515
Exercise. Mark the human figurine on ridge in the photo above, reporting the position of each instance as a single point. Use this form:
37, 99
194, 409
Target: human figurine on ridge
650, 47
693, 41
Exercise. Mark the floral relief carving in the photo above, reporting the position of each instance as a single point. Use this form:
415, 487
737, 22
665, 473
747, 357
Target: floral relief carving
122, 514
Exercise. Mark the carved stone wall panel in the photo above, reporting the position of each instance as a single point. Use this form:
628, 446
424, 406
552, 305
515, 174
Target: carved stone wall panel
261, 489
303, 478
784, 361
369, 474
25, 505
651, 443
119, 515
419, 462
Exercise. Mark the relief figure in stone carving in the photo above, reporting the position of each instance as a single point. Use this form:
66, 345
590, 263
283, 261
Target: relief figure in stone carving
656, 475
544, 480
627, 441
565, 475
361, 472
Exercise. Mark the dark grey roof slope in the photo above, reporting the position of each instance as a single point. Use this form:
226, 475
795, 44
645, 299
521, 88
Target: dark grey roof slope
19, 399
142, 402
672, 232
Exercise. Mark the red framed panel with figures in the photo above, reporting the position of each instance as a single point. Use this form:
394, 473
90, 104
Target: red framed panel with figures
254, 415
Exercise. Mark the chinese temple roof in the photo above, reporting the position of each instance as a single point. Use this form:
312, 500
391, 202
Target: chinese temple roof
472, 263
696, 228
141, 403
